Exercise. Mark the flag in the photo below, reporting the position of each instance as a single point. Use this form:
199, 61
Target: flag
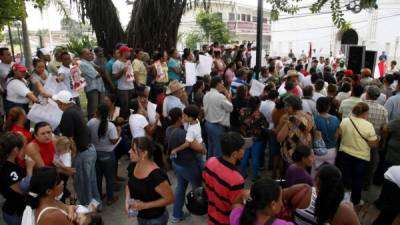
310, 51
381, 66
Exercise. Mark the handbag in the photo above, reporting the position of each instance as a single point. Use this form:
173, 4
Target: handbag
366, 140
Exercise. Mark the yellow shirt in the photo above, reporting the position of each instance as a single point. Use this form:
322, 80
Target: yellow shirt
352, 143
138, 66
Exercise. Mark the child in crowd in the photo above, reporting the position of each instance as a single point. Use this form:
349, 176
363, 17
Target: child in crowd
65, 152
193, 134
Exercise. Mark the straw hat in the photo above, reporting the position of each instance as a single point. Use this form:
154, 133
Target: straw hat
174, 86
291, 73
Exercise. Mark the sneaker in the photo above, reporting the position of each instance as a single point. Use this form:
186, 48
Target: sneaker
177, 220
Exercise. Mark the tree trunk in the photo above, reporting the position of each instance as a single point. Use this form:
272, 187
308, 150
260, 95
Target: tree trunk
26, 45
154, 24
105, 22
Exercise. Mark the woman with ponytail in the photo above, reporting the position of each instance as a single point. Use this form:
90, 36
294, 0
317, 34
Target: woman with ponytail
14, 179
263, 204
322, 204
104, 136
15, 121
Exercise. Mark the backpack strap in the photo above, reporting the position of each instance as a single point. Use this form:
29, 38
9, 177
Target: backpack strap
47, 209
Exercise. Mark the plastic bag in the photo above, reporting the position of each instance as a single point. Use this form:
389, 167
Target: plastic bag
28, 217
49, 113
53, 87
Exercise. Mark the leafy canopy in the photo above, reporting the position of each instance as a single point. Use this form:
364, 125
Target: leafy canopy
213, 26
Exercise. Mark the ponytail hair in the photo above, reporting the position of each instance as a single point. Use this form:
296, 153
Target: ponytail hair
331, 193
262, 193
42, 180
12, 118
102, 114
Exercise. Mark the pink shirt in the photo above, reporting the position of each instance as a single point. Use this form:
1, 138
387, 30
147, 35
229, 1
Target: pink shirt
237, 212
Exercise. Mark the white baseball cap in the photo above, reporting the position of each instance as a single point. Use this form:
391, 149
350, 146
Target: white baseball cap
64, 97
45, 51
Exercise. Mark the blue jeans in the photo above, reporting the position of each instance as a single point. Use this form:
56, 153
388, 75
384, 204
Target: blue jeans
85, 182
162, 220
184, 175
12, 219
215, 131
105, 166
255, 151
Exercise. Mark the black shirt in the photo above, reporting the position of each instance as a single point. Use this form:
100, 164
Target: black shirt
144, 190
10, 174
175, 138
73, 125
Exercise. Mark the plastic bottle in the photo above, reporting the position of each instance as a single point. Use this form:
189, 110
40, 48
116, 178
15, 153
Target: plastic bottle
132, 212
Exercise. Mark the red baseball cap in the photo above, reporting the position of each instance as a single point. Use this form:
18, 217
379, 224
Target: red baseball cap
348, 72
19, 67
124, 48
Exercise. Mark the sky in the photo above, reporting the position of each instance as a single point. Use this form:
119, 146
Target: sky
51, 18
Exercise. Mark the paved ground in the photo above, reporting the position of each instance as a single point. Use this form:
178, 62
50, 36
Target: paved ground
115, 215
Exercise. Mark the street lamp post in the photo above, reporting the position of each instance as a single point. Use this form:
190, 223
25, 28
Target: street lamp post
259, 37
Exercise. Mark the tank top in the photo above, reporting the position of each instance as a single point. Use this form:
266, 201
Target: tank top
46, 151
307, 216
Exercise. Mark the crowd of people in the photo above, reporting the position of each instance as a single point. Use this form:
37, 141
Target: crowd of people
324, 132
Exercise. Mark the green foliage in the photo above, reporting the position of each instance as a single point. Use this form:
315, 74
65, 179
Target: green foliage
291, 7
213, 26
75, 45
192, 38
11, 10
1, 36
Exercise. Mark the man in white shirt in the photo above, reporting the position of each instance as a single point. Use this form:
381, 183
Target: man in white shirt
176, 97
217, 109
143, 97
5, 66
120, 73
268, 105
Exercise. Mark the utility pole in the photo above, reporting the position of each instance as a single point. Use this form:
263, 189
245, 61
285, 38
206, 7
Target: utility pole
260, 20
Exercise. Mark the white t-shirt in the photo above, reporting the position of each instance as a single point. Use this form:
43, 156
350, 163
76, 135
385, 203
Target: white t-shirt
193, 133
64, 158
66, 72
309, 106
4, 70
306, 81
17, 91
102, 144
317, 95
122, 83
137, 123
266, 108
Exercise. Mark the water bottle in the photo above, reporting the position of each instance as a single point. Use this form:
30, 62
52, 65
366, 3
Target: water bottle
132, 212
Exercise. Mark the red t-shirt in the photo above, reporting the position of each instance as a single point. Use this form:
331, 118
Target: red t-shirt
224, 184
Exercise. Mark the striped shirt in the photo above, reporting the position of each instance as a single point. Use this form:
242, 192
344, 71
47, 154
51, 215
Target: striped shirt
224, 185
307, 216
237, 83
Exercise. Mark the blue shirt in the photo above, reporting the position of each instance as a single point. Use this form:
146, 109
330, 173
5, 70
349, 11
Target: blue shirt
392, 105
90, 74
237, 83
173, 64
109, 66
328, 127
171, 102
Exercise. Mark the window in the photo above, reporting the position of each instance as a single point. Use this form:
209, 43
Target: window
238, 17
254, 19
248, 18
243, 17
231, 16
219, 15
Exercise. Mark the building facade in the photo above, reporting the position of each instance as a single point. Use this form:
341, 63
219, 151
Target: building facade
240, 19
374, 28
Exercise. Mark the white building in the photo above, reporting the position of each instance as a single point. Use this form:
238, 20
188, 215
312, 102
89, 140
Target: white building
376, 29
241, 21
